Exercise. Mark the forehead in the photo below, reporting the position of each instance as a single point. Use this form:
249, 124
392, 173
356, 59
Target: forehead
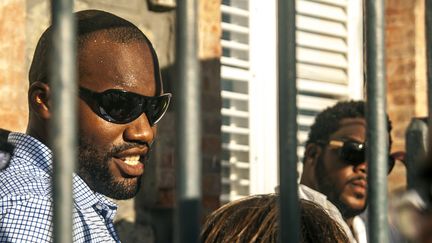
105, 63
351, 128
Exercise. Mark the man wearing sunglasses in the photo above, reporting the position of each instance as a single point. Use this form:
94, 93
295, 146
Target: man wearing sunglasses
120, 102
335, 168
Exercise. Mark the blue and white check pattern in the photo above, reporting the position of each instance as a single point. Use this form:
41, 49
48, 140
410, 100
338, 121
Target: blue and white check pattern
26, 199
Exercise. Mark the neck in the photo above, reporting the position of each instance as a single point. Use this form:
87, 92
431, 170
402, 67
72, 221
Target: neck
39, 133
305, 180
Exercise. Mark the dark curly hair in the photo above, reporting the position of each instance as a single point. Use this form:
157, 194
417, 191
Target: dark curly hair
328, 121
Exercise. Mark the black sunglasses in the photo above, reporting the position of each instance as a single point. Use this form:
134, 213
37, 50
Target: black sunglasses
121, 107
353, 153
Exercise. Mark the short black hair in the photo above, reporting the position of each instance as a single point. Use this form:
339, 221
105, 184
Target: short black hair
328, 121
90, 23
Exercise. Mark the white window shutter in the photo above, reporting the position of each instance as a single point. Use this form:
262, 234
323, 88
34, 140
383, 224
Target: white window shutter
235, 78
329, 57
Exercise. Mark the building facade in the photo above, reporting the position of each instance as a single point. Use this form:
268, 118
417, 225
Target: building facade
237, 50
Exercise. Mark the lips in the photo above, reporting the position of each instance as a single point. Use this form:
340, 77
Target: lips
131, 163
359, 185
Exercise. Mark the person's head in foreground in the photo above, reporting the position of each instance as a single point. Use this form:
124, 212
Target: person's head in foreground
120, 101
255, 219
335, 157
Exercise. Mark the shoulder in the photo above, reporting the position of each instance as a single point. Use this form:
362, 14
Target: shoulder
25, 219
25, 204
309, 194
22, 179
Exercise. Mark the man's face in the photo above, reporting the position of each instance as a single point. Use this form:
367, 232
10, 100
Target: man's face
108, 152
344, 184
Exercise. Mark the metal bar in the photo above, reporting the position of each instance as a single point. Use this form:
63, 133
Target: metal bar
289, 216
188, 117
428, 18
377, 133
63, 128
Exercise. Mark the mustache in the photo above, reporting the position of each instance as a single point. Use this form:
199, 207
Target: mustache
357, 178
125, 146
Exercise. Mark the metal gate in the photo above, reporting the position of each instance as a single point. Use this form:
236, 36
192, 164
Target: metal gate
63, 79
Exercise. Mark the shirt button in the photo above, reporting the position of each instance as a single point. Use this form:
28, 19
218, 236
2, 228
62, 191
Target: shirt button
98, 207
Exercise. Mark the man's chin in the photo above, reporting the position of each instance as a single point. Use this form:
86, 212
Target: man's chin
352, 209
125, 188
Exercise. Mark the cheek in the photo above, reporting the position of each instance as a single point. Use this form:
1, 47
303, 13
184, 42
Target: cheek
86, 117
338, 171
342, 175
95, 129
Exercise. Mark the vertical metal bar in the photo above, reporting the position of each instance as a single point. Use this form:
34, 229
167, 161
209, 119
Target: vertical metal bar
428, 17
188, 119
63, 128
377, 133
288, 202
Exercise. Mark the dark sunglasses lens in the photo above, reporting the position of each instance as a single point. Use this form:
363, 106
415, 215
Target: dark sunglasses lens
353, 153
156, 108
120, 107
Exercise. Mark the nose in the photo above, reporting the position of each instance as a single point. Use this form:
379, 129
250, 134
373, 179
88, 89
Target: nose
140, 131
362, 167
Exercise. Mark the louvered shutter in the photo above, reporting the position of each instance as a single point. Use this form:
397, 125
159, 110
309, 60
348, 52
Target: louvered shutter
329, 57
235, 79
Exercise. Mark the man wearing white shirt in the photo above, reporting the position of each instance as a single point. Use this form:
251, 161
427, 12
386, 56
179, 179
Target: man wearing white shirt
335, 168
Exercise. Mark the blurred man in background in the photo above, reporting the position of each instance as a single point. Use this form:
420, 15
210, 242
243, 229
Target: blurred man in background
335, 169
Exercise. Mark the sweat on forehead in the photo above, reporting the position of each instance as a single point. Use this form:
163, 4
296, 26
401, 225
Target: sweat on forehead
90, 25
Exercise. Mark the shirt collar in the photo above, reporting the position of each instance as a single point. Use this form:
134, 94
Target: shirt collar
310, 194
86, 198
359, 229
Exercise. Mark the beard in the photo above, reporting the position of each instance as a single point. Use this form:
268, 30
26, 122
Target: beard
327, 187
93, 168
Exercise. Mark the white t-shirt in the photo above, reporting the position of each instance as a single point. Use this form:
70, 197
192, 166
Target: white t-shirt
359, 229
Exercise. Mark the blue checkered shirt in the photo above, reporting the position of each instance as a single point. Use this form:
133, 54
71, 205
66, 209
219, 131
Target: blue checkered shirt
26, 199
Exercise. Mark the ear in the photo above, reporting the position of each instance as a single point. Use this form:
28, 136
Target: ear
310, 161
39, 99
312, 154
